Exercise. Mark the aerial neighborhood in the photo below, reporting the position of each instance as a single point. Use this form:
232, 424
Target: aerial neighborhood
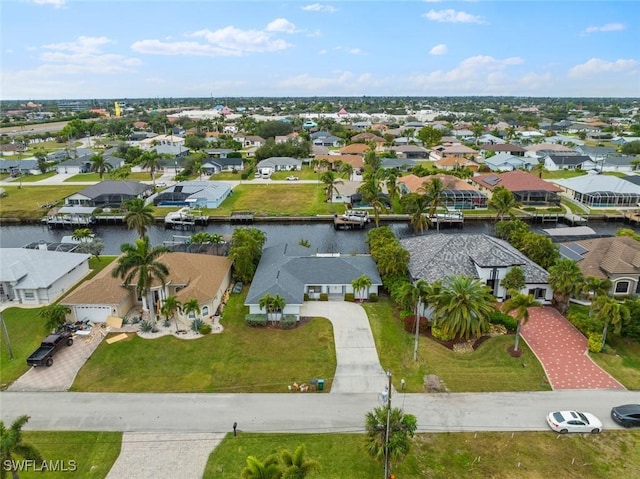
387, 249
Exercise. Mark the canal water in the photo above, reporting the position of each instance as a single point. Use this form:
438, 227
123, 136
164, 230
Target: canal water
321, 236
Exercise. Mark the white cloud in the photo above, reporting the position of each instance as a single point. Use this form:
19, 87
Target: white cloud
281, 25
75, 63
450, 15
242, 41
317, 7
81, 45
609, 27
355, 51
158, 47
55, 3
597, 66
322, 52
438, 50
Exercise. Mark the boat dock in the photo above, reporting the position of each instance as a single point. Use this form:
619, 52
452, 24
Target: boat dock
451, 218
241, 217
71, 217
352, 219
185, 219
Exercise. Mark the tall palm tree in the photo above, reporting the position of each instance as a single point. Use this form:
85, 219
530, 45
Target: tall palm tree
463, 307
294, 465
277, 305
566, 279
266, 303
520, 303
55, 315
192, 305
139, 264
362, 283
82, 234
139, 215
400, 426
415, 205
414, 296
610, 311
347, 170
150, 160
434, 195
13, 445
330, 181
503, 201
538, 169
595, 287
391, 180
257, 469
100, 165
170, 307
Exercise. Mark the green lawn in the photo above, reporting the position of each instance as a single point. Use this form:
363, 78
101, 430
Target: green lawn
622, 361
87, 455
552, 175
489, 368
241, 359
36, 178
447, 455
138, 176
306, 173
25, 202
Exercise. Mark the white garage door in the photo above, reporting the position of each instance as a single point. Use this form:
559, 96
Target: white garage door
97, 314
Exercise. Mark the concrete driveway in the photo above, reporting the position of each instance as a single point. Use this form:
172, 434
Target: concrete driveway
358, 367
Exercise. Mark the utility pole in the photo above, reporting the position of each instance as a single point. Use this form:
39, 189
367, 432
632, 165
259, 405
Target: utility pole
417, 336
387, 465
6, 335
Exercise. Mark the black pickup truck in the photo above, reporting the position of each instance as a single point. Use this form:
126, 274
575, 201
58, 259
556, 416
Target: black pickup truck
43, 356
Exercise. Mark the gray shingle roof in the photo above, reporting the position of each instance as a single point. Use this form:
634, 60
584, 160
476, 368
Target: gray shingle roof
435, 257
286, 268
36, 268
121, 187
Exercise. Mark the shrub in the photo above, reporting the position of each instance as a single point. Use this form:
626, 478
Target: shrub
196, 324
166, 323
585, 324
288, 321
324, 297
306, 297
373, 297
410, 323
255, 320
349, 297
205, 329
595, 342
145, 326
507, 321
439, 334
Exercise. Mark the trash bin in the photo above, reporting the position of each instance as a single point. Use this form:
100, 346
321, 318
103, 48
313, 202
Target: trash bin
313, 384
320, 384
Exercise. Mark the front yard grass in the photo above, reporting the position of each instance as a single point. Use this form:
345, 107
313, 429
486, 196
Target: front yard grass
445, 455
36, 178
240, 359
137, 176
25, 202
489, 368
622, 361
553, 175
93, 453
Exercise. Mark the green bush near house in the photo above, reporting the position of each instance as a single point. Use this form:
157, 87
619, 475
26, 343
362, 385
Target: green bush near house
288, 321
438, 333
349, 297
256, 320
324, 297
205, 329
373, 298
507, 321
595, 342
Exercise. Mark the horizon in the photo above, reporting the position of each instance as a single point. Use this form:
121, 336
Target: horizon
304, 49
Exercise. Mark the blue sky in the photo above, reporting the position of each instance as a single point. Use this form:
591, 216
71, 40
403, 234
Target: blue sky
55, 49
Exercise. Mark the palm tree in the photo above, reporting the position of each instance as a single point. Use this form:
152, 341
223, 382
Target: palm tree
330, 180
139, 215
257, 469
514, 280
414, 296
191, 306
151, 160
277, 305
433, 191
520, 303
295, 466
538, 169
266, 303
566, 279
400, 426
503, 201
610, 311
391, 181
139, 265
363, 283
100, 165
82, 234
347, 170
170, 306
463, 307
55, 315
415, 206
13, 445
595, 287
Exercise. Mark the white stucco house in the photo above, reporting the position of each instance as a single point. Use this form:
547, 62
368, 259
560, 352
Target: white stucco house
35, 276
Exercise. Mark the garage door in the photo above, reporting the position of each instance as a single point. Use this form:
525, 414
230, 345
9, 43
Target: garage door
97, 314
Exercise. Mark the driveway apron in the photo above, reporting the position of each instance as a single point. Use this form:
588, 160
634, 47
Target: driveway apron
562, 351
358, 367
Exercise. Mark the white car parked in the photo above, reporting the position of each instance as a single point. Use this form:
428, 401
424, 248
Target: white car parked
573, 421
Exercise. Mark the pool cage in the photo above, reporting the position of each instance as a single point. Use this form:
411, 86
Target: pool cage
536, 197
464, 199
608, 199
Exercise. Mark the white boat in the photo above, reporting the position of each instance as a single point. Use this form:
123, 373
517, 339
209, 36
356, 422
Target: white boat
184, 218
356, 216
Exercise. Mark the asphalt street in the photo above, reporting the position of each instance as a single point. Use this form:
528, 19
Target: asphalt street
298, 412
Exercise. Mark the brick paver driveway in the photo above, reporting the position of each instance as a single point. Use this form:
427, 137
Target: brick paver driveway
562, 350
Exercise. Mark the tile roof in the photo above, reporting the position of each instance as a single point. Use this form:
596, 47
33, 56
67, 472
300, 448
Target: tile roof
120, 187
354, 148
356, 161
435, 257
515, 181
610, 256
502, 147
413, 182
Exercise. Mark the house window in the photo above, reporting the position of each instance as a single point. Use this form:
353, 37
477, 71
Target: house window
205, 311
29, 295
622, 287
538, 293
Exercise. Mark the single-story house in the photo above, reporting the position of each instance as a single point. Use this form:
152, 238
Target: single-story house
457, 194
27, 166
249, 140
356, 161
527, 189
413, 152
191, 276
455, 163
355, 149
293, 272
513, 150
460, 152
540, 150
38, 276
601, 191
328, 141
169, 140
218, 152
213, 166
400, 164
344, 191
568, 162
623, 140
436, 257
279, 163
174, 151
614, 258
83, 164
195, 194
596, 153
508, 162
109, 193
